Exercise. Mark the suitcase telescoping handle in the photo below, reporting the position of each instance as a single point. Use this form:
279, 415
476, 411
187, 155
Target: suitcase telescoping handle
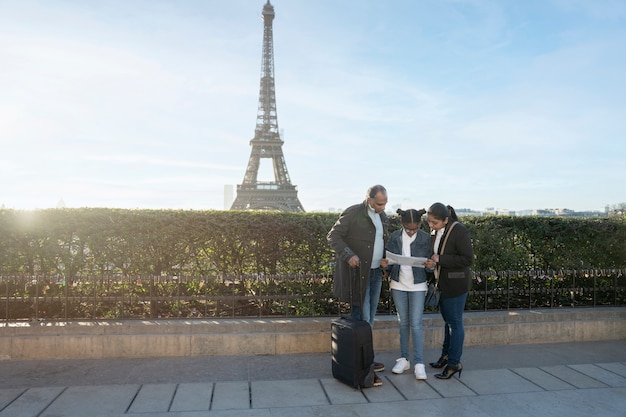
355, 276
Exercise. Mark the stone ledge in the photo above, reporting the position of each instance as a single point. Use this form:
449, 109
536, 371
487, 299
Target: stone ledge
277, 336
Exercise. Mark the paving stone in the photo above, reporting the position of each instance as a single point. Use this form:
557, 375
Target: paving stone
411, 388
340, 393
192, 397
543, 379
615, 367
302, 392
153, 398
267, 412
601, 374
385, 393
500, 381
31, 402
8, 395
450, 388
231, 395
451, 407
570, 403
261, 412
381, 409
92, 400
573, 377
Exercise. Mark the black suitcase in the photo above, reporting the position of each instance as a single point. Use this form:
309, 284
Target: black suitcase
352, 351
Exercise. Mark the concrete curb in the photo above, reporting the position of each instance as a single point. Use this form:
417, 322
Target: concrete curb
280, 336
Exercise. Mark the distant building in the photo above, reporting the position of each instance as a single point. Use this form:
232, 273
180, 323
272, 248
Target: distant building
228, 196
467, 212
563, 212
498, 212
587, 214
492, 211
540, 212
560, 212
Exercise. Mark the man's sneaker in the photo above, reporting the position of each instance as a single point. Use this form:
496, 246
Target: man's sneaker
379, 367
420, 372
377, 381
401, 365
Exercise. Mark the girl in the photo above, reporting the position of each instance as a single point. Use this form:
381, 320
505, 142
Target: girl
408, 289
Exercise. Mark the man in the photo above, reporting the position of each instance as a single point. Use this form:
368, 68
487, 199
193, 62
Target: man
359, 238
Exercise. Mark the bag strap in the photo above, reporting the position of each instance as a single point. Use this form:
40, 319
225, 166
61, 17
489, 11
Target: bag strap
443, 246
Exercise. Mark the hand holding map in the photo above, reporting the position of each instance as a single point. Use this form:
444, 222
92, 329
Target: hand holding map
394, 258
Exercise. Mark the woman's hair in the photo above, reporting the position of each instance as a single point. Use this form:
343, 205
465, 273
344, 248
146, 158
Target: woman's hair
441, 212
411, 215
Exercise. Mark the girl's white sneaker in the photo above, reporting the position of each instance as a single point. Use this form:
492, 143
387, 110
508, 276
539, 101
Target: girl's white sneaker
420, 372
401, 365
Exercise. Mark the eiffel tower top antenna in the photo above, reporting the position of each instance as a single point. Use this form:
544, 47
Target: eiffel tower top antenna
279, 194
267, 119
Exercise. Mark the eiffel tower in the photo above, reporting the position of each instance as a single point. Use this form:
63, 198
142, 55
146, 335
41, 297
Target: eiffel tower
280, 194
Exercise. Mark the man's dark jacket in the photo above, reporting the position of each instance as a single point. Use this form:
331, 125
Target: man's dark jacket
353, 234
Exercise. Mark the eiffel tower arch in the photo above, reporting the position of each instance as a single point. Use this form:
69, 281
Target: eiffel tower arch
279, 194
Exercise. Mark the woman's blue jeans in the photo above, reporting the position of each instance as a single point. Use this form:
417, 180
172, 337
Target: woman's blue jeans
410, 307
454, 333
372, 296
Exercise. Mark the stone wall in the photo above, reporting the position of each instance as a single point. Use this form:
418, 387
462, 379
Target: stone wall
278, 336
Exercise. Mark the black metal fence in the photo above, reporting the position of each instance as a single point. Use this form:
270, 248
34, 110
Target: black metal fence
547, 289
24, 298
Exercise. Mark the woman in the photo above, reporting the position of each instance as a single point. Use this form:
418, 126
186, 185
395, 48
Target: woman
408, 289
452, 256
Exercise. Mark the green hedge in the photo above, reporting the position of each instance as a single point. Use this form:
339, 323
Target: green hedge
540, 243
74, 243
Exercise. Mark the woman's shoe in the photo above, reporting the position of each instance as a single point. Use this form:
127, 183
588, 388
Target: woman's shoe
449, 371
441, 362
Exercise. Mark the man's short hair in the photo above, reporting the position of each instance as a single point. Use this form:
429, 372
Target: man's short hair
375, 189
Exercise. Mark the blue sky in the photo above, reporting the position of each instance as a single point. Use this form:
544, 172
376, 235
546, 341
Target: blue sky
475, 103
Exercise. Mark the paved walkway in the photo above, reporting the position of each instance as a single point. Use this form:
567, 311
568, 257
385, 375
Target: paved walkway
559, 379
